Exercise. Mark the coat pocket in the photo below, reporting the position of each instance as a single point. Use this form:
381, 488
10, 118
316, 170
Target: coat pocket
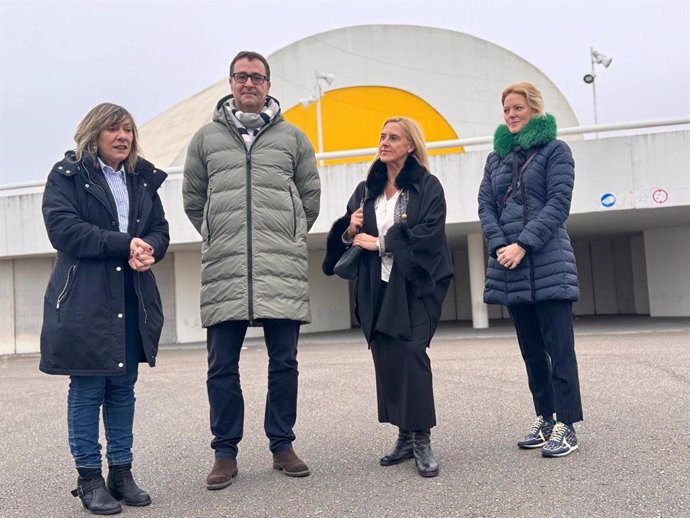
67, 287
294, 214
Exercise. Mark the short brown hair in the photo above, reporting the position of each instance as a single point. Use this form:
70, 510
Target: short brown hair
251, 56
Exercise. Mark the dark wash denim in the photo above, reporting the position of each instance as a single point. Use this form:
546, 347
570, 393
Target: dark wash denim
224, 343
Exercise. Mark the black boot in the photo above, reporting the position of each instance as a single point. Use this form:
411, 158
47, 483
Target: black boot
94, 496
401, 451
122, 486
427, 465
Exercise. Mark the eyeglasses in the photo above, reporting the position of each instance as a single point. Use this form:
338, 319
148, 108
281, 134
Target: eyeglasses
241, 77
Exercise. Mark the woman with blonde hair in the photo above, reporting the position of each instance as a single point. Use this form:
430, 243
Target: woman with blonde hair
524, 201
397, 217
102, 310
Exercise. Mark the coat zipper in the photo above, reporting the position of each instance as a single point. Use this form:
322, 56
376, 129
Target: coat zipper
294, 214
248, 199
248, 194
71, 272
208, 211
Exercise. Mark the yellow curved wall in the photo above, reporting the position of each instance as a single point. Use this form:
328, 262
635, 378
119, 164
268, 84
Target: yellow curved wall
352, 118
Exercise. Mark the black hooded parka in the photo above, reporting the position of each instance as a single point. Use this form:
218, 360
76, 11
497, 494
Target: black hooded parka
83, 329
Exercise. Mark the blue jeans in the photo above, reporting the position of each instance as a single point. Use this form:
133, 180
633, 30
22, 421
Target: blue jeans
87, 394
115, 394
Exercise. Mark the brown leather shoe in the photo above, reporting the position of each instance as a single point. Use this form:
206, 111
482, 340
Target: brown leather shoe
221, 474
289, 463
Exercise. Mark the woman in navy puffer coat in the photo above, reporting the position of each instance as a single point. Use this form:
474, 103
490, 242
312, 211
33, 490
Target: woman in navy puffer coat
524, 200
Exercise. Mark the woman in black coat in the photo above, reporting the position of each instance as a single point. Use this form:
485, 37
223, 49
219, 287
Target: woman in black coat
524, 201
102, 310
397, 216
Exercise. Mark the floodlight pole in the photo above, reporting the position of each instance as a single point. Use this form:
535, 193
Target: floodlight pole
318, 93
319, 120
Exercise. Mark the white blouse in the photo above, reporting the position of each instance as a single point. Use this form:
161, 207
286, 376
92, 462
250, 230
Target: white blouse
385, 210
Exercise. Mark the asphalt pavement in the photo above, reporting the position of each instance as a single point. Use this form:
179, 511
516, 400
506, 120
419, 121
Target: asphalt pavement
633, 461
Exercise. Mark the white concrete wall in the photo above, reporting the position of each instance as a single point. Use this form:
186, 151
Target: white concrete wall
668, 279
31, 279
329, 298
187, 278
585, 305
165, 279
7, 338
632, 168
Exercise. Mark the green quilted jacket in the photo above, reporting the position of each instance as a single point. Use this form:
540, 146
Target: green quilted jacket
253, 208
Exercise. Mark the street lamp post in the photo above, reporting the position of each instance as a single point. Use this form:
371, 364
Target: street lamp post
319, 79
599, 59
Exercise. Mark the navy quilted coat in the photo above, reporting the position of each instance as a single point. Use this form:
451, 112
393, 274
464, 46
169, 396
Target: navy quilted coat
533, 215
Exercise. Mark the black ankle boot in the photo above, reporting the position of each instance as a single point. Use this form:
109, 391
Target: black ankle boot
427, 465
122, 486
93, 494
401, 451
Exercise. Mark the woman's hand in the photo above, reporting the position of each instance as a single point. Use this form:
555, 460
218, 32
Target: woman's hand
140, 255
366, 242
356, 222
510, 256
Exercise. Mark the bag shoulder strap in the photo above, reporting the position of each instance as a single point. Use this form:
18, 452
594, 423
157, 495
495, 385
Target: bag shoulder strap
517, 178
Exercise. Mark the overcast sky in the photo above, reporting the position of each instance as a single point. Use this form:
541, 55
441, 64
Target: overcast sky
59, 58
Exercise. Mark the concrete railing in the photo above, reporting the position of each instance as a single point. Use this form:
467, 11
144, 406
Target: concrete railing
440, 144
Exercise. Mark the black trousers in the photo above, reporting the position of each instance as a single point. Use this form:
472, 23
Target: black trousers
224, 344
404, 387
547, 343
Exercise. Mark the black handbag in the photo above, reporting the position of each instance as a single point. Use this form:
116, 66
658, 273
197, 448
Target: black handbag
348, 264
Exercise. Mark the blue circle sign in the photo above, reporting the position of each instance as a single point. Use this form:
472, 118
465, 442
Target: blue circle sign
608, 199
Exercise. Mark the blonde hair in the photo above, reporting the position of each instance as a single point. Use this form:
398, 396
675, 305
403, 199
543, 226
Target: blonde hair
99, 118
531, 94
414, 134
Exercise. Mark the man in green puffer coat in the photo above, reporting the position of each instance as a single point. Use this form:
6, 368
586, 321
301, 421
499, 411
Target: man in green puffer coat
251, 189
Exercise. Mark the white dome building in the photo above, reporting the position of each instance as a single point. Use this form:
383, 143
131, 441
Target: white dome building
448, 81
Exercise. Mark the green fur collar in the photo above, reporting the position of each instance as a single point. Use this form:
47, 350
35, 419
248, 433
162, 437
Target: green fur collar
536, 132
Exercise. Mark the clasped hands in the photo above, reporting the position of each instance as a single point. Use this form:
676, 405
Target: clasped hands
510, 256
364, 241
140, 255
